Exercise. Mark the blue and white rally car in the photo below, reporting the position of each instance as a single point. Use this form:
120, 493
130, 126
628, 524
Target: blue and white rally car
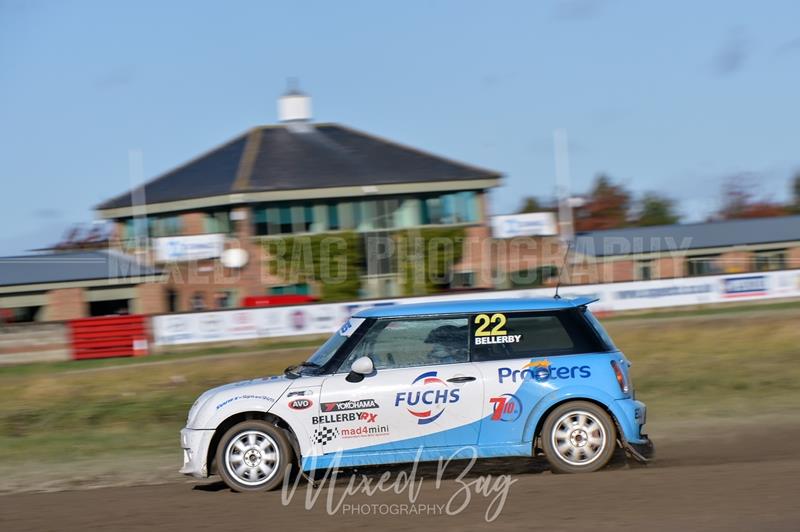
507, 377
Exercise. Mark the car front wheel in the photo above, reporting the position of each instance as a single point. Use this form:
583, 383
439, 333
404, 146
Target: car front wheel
578, 437
254, 456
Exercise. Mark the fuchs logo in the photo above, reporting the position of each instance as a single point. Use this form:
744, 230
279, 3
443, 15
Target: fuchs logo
507, 407
429, 399
341, 406
344, 416
300, 404
543, 371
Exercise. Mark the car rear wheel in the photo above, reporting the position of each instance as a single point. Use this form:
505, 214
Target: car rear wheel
254, 456
578, 437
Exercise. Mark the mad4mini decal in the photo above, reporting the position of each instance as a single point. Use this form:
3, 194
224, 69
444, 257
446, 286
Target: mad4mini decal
428, 397
542, 371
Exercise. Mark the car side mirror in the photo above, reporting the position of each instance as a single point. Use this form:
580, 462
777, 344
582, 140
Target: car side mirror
361, 367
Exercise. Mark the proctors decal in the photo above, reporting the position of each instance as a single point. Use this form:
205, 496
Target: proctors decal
542, 371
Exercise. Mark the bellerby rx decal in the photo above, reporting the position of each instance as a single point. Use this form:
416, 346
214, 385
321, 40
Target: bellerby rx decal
430, 381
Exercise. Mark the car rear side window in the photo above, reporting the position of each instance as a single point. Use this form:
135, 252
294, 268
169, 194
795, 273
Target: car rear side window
500, 336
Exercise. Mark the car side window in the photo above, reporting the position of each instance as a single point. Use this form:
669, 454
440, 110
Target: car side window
500, 336
405, 342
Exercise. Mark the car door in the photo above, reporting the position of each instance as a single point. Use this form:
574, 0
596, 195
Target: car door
424, 392
524, 356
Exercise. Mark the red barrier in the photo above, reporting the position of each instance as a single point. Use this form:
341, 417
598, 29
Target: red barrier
109, 336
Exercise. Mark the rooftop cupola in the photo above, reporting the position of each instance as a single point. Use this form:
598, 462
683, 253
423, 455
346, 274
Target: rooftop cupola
294, 106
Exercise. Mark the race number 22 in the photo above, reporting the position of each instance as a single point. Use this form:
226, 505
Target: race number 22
484, 321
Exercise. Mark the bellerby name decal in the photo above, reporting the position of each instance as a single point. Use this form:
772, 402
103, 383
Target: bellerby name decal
491, 330
343, 417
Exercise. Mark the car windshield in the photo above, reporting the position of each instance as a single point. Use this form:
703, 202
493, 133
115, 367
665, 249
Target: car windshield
329, 348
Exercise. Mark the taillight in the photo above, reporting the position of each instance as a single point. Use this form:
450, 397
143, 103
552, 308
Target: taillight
621, 380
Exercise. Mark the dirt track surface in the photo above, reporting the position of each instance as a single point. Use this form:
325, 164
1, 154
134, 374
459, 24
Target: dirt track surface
722, 482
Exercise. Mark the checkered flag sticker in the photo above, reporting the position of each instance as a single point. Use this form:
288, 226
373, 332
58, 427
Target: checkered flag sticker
324, 435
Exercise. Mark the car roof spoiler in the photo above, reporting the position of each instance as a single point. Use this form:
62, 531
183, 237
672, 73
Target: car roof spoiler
583, 301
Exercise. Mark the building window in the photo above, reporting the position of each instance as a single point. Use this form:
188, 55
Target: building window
198, 301
223, 299
534, 277
333, 216
702, 265
466, 210
172, 300
645, 270
770, 259
463, 280
364, 215
218, 222
285, 220
302, 289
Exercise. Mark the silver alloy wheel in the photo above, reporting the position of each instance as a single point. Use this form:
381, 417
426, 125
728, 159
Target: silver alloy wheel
252, 457
578, 437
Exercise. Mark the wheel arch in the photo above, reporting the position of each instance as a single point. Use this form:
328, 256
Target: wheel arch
238, 417
549, 403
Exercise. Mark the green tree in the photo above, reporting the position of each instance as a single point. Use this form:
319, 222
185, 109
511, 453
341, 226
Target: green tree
425, 258
656, 210
530, 204
333, 261
796, 194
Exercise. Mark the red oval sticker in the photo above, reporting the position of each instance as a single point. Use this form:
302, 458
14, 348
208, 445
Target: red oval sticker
300, 404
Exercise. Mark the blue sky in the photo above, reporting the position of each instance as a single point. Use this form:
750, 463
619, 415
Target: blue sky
666, 96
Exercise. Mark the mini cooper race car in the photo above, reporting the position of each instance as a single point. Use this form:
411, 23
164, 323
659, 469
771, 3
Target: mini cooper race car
456, 379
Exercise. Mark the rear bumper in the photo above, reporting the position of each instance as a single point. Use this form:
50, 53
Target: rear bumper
195, 450
631, 416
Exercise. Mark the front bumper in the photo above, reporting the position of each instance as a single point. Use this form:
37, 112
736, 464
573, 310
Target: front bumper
195, 450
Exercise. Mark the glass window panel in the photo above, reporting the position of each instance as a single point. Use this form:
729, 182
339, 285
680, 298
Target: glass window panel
434, 210
333, 217
400, 343
347, 215
368, 214
448, 208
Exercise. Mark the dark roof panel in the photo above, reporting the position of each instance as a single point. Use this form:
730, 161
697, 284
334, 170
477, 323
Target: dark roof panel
297, 157
332, 155
679, 237
211, 174
70, 266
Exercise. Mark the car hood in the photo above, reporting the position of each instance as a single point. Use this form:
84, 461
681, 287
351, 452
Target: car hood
263, 391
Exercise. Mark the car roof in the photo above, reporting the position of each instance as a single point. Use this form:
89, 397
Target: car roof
458, 306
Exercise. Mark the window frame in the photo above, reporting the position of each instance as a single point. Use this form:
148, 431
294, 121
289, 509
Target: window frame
335, 365
422, 317
579, 316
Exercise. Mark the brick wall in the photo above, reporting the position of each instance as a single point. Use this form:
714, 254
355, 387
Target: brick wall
735, 262
151, 298
193, 223
793, 257
66, 304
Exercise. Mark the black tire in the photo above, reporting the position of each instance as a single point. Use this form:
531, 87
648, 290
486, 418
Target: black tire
578, 437
253, 455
